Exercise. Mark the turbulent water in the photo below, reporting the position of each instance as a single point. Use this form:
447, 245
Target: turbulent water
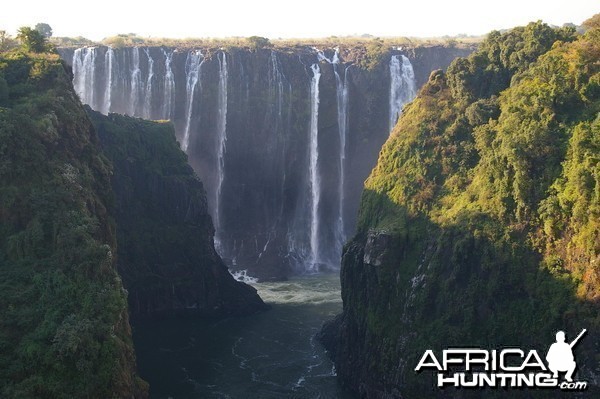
270, 355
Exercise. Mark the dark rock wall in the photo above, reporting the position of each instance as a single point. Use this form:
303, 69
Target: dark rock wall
166, 255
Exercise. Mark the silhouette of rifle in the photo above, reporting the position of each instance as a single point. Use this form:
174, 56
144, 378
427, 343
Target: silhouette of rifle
572, 344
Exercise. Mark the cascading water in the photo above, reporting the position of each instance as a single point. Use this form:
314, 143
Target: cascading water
277, 87
342, 119
297, 191
136, 81
276, 79
280, 89
315, 181
221, 142
147, 110
402, 86
193, 66
108, 69
342, 112
84, 74
169, 87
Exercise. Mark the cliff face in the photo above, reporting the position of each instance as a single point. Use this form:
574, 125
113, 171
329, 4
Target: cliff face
166, 255
64, 326
479, 225
283, 164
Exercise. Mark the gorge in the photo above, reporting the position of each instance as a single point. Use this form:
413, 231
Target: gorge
243, 218
282, 138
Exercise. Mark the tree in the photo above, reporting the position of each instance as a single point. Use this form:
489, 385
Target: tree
6, 42
375, 53
31, 39
592, 23
257, 42
44, 29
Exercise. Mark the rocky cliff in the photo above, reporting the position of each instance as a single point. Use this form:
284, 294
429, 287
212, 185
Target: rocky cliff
64, 325
282, 138
166, 255
479, 225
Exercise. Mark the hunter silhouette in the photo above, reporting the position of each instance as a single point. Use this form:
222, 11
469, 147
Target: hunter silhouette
560, 356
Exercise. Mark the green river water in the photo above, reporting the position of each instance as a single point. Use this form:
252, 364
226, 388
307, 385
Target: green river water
273, 354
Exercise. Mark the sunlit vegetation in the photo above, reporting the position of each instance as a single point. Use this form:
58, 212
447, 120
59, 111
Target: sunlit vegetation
490, 188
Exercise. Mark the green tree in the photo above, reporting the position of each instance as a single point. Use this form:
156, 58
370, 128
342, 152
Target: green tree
31, 39
6, 42
44, 29
257, 42
375, 53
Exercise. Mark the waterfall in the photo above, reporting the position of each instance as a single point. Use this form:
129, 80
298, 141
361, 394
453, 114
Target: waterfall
108, 69
221, 140
169, 87
84, 74
255, 129
315, 183
147, 110
342, 113
402, 86
276, 90
136, 81
276, 82
193, 65
342, 119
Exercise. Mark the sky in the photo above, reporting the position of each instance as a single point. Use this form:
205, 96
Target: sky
288, 19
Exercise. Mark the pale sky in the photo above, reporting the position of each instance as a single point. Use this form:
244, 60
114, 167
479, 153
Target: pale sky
288, 19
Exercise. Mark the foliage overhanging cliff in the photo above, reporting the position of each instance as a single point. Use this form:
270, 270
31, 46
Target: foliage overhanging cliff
480, 224
64, 326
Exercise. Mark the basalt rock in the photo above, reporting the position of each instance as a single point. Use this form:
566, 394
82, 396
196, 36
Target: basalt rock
166, 255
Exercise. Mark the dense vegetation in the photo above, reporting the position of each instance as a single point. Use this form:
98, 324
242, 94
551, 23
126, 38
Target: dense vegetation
64, 329
487, 196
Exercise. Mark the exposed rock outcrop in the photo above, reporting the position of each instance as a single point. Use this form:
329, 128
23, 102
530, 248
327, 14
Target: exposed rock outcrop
166, 254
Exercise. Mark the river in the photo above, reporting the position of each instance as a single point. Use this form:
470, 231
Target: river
273, 354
